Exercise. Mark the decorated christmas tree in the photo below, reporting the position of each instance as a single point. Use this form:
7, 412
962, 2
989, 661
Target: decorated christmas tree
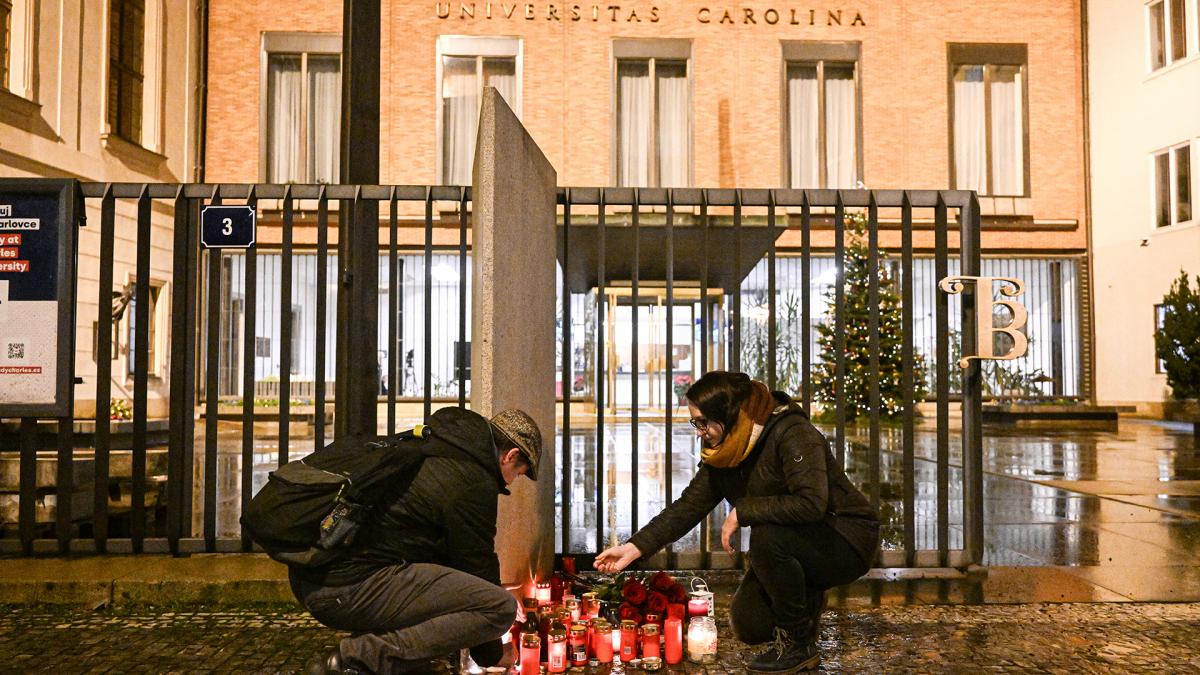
856, 314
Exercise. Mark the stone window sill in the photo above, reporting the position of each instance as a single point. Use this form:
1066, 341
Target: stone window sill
18, 104
129, 150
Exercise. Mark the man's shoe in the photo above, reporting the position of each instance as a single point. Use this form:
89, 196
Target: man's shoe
788, 655
330, 664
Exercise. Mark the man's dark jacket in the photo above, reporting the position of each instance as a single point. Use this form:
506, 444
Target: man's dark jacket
790, 477
447, 516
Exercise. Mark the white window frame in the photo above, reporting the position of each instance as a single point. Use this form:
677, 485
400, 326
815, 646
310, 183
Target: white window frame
152, 136
818, 54
990, 56
158, 334
1173, 186
653, 50
1191, 33
293, 44
479, 47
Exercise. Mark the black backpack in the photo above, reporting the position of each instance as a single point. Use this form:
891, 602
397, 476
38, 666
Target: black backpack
308, 513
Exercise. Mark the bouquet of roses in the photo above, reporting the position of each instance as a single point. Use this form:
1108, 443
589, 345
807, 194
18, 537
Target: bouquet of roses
632, 595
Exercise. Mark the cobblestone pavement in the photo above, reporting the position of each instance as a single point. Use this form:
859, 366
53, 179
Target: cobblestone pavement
1066, 638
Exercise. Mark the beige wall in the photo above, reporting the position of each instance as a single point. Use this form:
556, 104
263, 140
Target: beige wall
1135, 112
736, 79
53, 124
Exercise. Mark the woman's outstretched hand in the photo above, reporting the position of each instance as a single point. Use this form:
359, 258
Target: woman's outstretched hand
731, 525
617, 558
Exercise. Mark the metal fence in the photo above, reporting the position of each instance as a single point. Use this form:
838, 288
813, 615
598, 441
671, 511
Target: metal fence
178, 488
713, 238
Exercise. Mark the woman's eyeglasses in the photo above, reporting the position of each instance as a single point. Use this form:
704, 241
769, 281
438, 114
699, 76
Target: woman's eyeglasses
699, 423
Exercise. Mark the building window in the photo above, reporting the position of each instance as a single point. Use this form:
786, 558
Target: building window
5, 41
822, 126
467, 65
1160, 320
653, 113
152, 332
1173, 186
126, 42
1168, 25
988, 119
303, 107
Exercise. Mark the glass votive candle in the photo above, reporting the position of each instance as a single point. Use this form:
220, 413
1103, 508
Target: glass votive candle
572, 605
673, 632
651, 663
589, 607
702, 640
579, 655
650, 637
629, 641
603, 640
541, 591
531, 653
557, 662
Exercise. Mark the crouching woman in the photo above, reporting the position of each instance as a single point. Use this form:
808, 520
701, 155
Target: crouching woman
810, 528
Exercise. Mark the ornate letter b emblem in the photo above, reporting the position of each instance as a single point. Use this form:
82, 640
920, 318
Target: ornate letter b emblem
984, 328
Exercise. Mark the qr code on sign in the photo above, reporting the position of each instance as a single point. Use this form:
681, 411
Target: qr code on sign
16, 351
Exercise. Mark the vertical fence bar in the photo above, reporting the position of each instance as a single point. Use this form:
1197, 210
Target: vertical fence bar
285, 330
27, 485
907, 385
839, 327
394, 356
806, 302
601, 371
669, 365
104, 325
428, 289
180, 395
249, 359
464, 354
941, 310
191, 387
772, 323
705, 338
212, 364
322, 309
141, 371
567, 379
1056, 328
64, 480
735, 350
972, 394
635, 371
873, 346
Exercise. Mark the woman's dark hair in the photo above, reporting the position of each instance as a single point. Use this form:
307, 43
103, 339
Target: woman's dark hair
719, 394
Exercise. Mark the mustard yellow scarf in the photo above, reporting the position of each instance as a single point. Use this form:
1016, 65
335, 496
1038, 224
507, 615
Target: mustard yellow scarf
738, 441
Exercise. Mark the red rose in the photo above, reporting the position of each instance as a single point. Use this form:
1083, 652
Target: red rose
628, 612
678, 594
661, 582
634, 592
656, 602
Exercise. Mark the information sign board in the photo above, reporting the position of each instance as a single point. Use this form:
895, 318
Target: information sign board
38, 233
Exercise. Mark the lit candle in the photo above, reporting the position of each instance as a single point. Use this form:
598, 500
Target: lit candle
673, 631
702, 640
579, 655
541, 591
558, 651
590, 606
650, 646
628, 640
604, 640
698, 607
572, 606
531, 653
